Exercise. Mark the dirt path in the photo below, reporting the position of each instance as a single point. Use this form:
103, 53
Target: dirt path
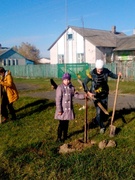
124, 100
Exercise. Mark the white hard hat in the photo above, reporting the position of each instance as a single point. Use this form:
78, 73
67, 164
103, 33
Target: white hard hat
99, 64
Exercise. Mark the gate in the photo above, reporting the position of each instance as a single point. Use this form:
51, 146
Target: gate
76, 70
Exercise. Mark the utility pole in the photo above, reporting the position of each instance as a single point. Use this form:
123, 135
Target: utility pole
66, 24
84, 58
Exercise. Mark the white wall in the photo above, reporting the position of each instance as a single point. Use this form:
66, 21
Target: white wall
53, 54
79, 43
104, 53
90, 55
61, 45
70, 48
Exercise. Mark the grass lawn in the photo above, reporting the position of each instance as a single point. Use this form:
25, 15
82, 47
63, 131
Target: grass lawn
28, 149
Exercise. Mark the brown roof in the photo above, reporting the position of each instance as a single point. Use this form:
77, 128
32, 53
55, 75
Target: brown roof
97, 37
126, 43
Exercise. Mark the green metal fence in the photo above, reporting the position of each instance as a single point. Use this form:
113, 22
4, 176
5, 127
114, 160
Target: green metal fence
34, 71
74, 69
79, 69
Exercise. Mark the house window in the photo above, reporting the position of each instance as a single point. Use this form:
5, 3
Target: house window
80, 57
70, 36
13, 62
4, 63
8, 62
16, 62
60, 59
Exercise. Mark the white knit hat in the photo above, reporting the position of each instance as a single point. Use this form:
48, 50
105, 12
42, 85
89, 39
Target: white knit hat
99, 64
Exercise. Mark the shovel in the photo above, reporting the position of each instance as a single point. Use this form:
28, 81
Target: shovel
98, 103
112, 127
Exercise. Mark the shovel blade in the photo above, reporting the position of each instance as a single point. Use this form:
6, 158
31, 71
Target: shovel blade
112, 130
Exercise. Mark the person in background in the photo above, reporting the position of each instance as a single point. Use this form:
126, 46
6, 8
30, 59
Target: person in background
9, 94
64, 106
99, 89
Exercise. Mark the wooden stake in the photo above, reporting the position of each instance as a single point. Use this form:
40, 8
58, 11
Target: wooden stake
85, 121
0, 106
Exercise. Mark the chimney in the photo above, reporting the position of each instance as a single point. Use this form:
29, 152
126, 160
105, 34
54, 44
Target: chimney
113, 29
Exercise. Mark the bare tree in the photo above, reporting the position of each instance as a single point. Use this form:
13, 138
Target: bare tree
29, 51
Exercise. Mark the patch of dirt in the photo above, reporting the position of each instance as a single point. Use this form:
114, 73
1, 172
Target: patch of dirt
76, 145
79, 145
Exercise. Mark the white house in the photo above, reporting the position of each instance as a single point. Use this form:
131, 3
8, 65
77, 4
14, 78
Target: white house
44, 61
77, 45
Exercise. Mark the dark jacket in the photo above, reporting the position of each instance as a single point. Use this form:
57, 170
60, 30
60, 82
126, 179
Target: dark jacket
101, 90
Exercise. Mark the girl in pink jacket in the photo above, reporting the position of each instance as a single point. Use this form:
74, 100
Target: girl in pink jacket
64, 105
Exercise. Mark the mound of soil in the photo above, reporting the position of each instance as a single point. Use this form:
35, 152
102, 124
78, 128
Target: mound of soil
76, 145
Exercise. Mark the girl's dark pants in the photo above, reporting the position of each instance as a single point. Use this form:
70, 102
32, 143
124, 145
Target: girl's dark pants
63, 129
4, 105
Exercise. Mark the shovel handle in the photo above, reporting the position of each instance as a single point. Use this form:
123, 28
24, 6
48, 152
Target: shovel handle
115, 99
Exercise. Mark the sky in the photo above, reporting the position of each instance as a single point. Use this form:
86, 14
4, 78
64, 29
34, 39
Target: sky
41, 22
